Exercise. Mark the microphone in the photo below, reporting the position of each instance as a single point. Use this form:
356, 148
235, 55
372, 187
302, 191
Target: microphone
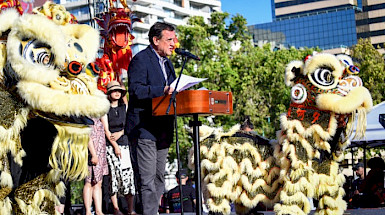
186, 54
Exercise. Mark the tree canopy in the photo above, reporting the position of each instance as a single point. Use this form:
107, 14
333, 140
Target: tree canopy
254, 75
231, 62
372, 68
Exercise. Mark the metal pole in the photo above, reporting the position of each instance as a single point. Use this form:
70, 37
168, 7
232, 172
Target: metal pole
351, 151
364, 160
197, 172
178, 157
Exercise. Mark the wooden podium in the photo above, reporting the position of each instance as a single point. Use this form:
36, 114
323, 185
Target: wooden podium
194, 103
189, 102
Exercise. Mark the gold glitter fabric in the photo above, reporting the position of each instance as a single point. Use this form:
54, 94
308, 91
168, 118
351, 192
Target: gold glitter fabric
4, 191
9, 108
36, 197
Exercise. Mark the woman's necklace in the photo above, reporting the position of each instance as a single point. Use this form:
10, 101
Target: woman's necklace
116, 110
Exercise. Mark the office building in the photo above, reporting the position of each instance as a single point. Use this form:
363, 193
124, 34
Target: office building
83, 10
371, 23
175, 12
328, 24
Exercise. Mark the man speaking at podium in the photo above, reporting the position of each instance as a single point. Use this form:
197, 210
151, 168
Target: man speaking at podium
150, 73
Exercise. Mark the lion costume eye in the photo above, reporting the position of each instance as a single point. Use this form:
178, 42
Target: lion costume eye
298, 94
323, 77
37, 52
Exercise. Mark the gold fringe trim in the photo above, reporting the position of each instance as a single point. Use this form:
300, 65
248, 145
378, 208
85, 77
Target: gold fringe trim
60, 189
252, 187
296, 199
329, 202
303, 186
358, 116
288, 209
222, 207
6, 180
234, 172
38, 198
330, 206
296, 127
54, 177
220, 192
69, 151
251, 203
6, 206
219, 134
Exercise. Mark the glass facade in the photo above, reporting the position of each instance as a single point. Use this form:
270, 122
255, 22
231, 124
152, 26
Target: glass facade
324, 30
273, 9
298, 2
356, 4
295, 2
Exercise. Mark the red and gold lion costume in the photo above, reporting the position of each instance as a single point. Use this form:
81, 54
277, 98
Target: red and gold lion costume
327, 98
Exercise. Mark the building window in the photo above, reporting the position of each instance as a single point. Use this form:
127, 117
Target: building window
322, 30
178, 3
169, 13
81, 11
195, 7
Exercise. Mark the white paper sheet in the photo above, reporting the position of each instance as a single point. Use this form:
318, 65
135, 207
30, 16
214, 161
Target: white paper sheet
186, 82
125, 161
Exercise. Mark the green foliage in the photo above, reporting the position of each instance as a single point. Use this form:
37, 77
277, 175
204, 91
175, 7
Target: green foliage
255, 75
230, 62
372, 66
77, 192
372, 73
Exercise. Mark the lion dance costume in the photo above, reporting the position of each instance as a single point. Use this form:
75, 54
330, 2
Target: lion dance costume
327, 99
48, 93
116, 30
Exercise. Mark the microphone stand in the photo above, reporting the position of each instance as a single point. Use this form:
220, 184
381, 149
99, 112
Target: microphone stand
173, 101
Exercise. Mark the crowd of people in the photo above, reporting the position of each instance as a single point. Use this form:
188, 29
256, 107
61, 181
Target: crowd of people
367, 191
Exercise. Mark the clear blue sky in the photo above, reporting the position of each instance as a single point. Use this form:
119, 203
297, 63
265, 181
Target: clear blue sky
255, 11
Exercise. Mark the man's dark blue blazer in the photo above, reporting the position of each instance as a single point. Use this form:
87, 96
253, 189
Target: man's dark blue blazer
146, 81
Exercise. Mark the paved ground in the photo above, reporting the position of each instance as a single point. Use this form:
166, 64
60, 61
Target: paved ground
369, 211
374, 211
